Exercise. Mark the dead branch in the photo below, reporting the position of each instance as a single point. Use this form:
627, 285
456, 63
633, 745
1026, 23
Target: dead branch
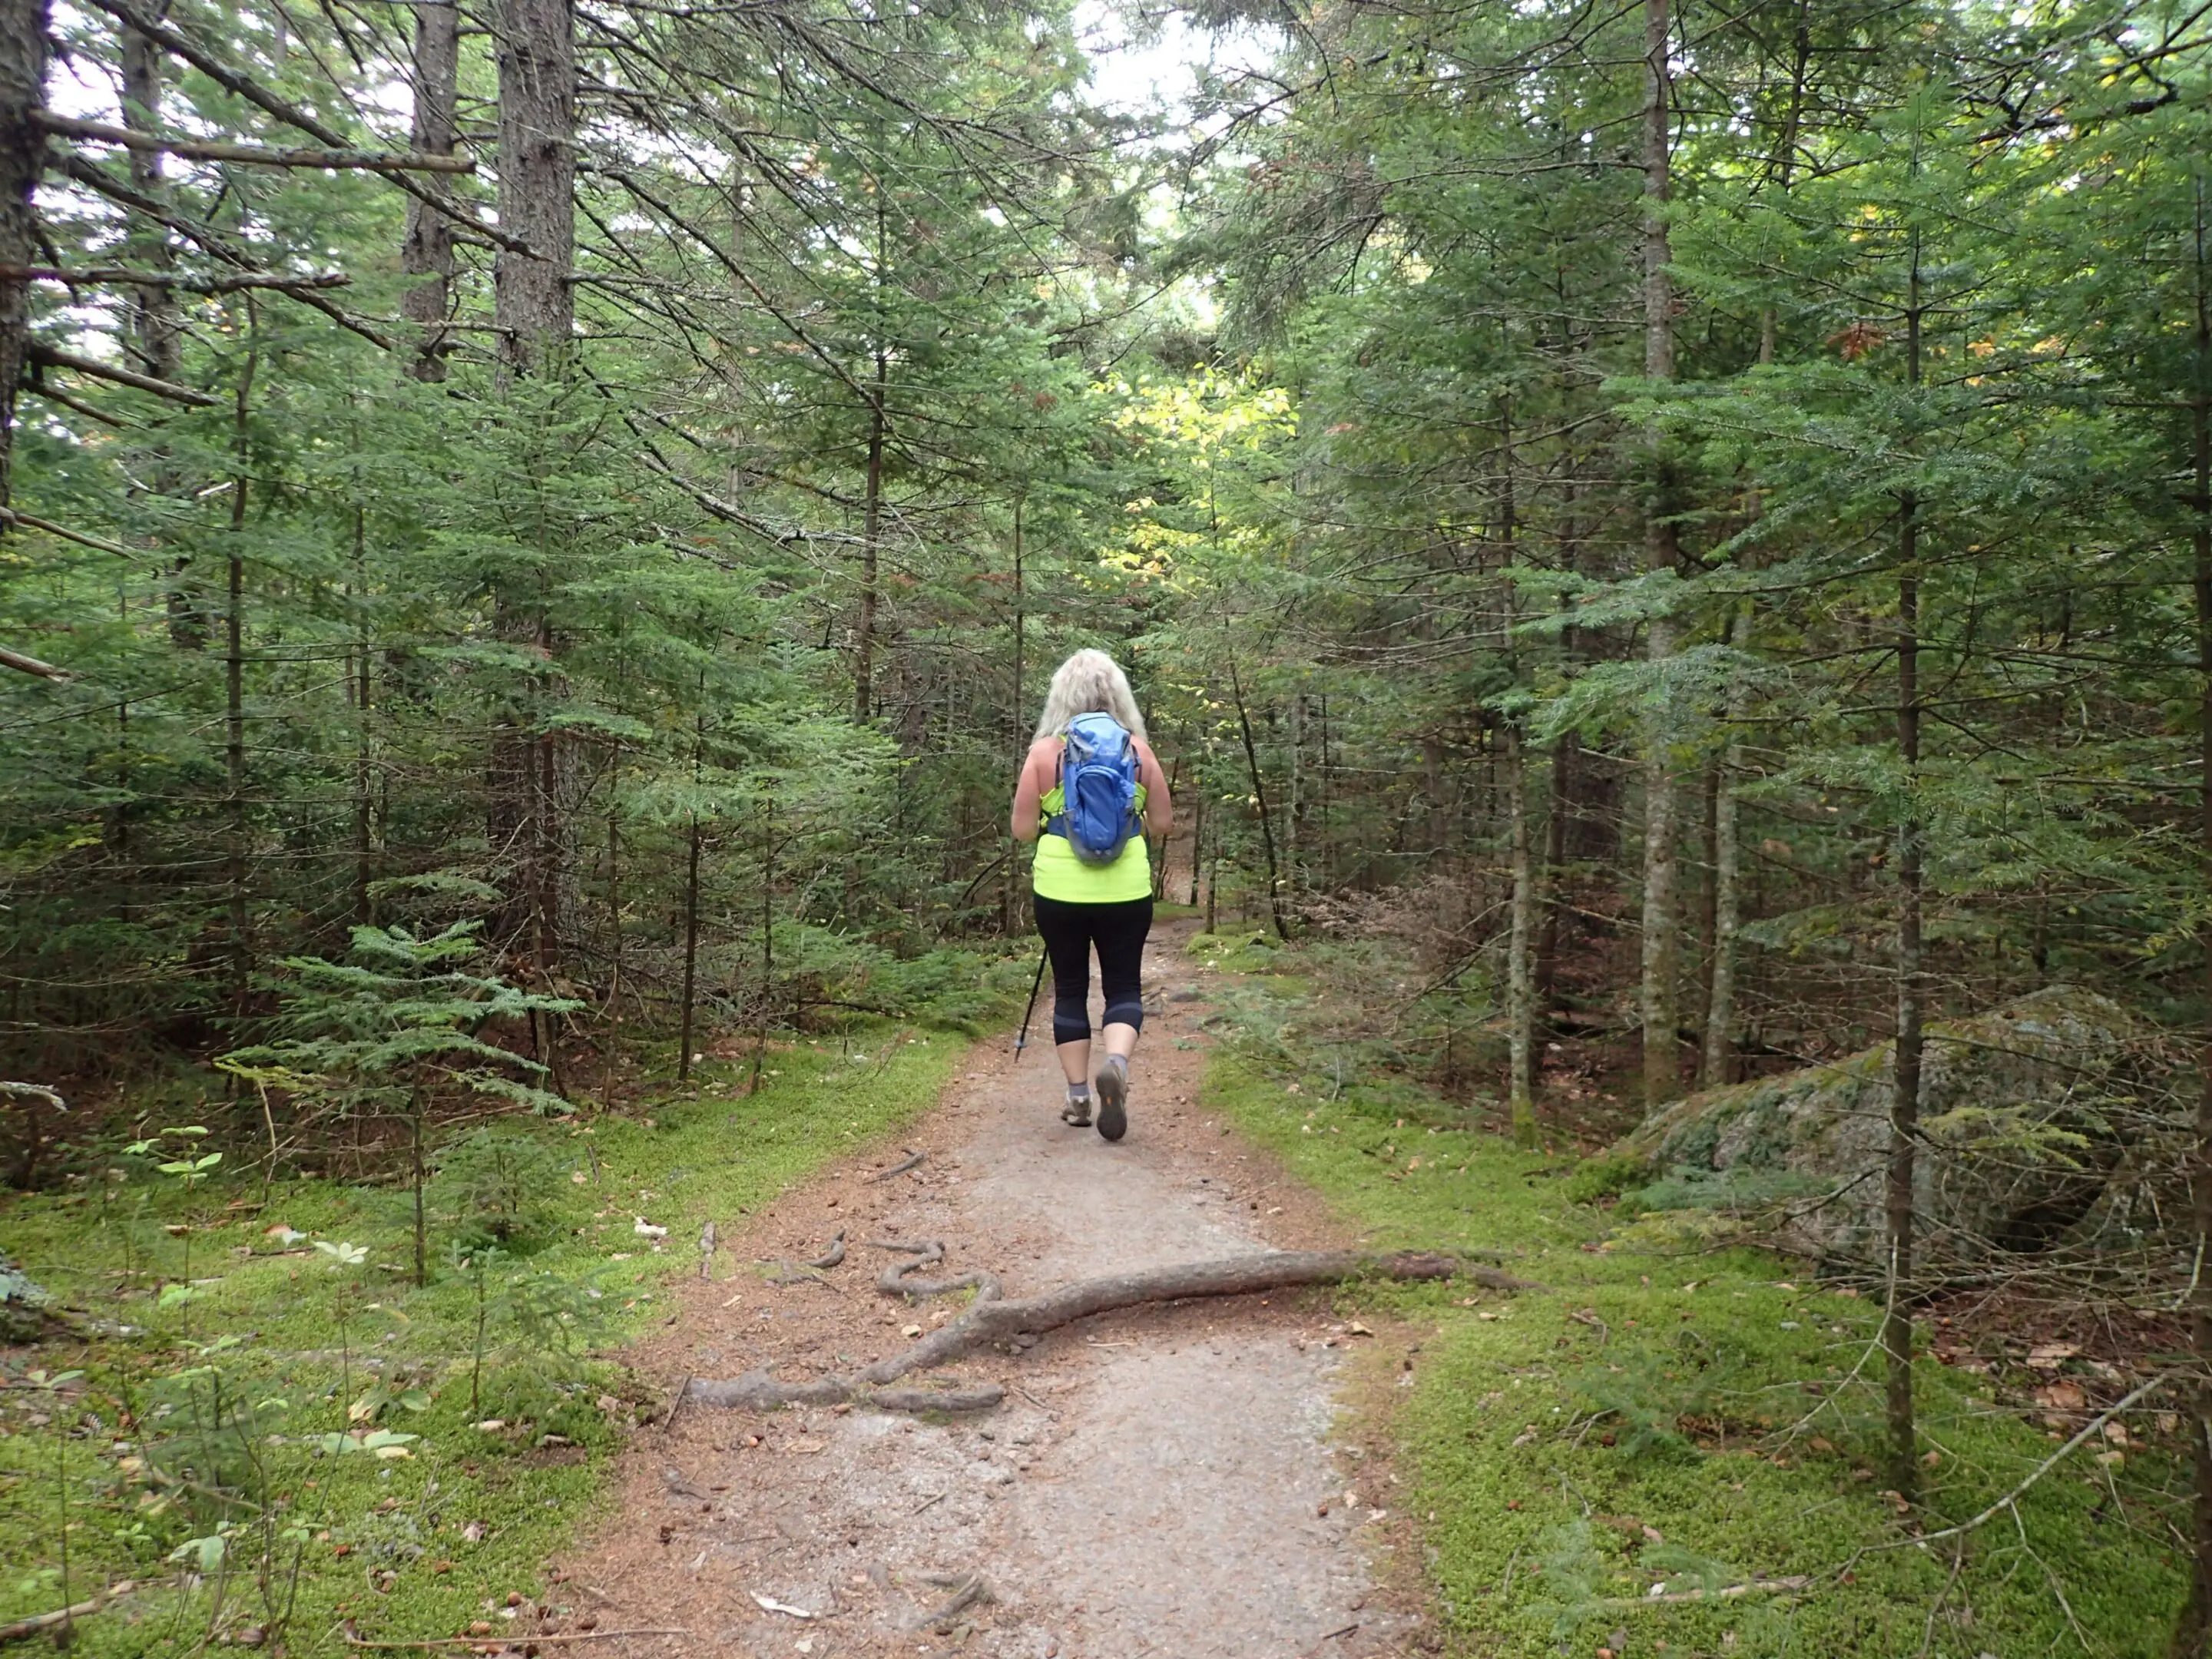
46, 356
202, 149
967, 1589
33, 1091
913, 1161
10, 516
38, 1624
23, 664
293, 116
992, 1320
123, 277
437, 1641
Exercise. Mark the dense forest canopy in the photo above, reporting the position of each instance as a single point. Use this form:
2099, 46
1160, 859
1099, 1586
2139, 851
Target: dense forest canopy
1692, 522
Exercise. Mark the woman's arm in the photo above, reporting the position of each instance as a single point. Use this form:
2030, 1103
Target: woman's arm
1031, 788
1159, 810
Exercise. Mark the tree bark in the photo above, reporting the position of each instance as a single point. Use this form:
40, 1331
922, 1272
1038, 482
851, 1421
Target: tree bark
427, 251
1260, 800
1520, 972
863, 642
1662, 867
533, 305
23, 52
1905, 1084
1716, 1065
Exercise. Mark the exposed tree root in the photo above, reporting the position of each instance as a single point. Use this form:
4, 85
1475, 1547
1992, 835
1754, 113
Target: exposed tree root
992, 1320
913, 1161
894, 1280
834, 1254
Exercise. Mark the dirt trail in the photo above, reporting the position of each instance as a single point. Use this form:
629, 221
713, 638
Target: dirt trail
1157, 1482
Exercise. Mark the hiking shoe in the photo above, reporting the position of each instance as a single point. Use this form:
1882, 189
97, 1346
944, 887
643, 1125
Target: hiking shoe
1112, 1088
1077, 1113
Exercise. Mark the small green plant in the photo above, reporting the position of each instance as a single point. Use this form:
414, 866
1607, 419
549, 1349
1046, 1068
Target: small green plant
51, 1384
395, 1029
497, 1186
188, 1171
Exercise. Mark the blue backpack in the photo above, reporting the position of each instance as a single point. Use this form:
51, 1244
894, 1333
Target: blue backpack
1098, 789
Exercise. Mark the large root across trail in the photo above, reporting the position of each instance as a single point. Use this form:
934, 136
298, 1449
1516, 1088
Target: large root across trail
992, 1320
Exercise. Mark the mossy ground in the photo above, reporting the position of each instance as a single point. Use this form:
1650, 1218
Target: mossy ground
467, 1516
1666, 1417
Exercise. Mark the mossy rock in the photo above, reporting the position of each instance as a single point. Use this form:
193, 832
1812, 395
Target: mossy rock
2016, 1109
27, 1311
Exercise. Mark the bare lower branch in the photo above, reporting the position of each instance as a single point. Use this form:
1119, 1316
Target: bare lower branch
23, 664
104, 275
30, 522
47, 357
204, 150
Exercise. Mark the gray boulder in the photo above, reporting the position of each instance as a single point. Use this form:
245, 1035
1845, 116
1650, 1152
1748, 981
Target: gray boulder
2020, 1109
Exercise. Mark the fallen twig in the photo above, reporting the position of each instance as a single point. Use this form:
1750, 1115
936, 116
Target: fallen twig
1728, 1593
967, 1589
991, 1319
912, 1161
503, 1640
2090, 1429
38, 1624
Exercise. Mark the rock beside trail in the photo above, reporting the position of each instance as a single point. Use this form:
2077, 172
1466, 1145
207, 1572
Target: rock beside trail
2018, 1107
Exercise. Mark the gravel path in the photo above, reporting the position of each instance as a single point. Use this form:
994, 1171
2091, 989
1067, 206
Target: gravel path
1157, 1482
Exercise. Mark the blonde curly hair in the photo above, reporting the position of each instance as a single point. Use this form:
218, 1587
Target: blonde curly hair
1089, 682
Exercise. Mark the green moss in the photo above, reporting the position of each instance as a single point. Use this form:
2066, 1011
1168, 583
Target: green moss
1696, 1366
303, 1330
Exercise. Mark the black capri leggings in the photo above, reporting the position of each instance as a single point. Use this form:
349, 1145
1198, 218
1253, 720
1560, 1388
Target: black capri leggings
1118, 930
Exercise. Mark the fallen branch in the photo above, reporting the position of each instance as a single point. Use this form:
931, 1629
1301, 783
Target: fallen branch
1728, 1593
38, 1624
504, 1640
2091, 1429
203, 149
991, 1319
32, 1090
913, 1161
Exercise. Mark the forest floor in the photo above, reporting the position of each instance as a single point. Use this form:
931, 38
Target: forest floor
1163, 1481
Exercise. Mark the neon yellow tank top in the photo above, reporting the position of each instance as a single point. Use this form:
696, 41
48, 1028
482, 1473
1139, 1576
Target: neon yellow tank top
1057, 873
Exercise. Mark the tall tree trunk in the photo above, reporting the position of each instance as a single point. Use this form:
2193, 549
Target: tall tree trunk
23, 51
691, 954
2194, 1630
534, 311
1260, 800
872, 521
363, 798
1716, 1065
1520, 974
1905, 1084
156, 325
241, 949
533, 304
427, 251
1661, 868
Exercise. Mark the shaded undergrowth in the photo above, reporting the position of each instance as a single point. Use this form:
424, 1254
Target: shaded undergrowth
1674, 1452
281, 1432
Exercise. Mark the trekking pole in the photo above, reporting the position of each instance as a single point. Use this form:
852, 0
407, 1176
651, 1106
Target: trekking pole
1035, 985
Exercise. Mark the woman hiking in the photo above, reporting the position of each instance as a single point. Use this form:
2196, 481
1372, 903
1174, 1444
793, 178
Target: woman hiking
1089, 794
